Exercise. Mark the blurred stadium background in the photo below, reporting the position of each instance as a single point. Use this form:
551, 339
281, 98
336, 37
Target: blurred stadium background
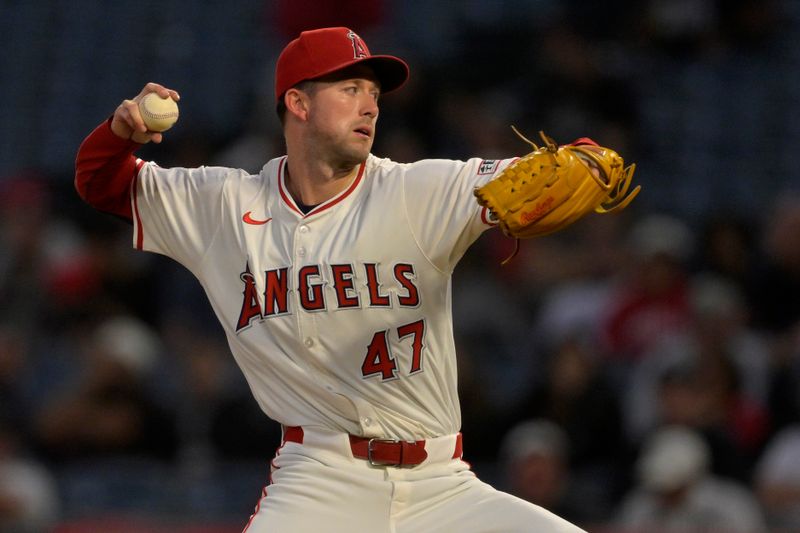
120, 408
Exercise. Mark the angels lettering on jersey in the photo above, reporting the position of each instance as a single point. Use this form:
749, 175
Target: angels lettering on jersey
320, 288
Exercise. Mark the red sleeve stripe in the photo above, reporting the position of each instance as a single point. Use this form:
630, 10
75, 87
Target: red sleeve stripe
135, 201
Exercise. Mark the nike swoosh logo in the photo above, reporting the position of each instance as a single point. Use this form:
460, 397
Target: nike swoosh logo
247, 219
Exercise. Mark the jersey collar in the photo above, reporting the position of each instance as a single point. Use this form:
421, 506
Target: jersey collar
291, 204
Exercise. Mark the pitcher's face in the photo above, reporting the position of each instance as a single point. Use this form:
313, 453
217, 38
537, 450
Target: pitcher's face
342, 114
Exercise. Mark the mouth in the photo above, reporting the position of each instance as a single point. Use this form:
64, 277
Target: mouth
364, 131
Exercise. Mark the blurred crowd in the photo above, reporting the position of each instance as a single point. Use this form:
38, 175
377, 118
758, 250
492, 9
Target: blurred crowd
636, 372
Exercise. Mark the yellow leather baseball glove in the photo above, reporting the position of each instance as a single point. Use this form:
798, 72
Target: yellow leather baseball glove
553, 186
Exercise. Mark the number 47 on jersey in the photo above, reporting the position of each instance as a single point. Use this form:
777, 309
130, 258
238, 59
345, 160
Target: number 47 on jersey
379, 359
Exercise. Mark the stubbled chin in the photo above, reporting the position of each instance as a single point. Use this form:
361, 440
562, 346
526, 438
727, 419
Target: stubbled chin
355, 155
363, 145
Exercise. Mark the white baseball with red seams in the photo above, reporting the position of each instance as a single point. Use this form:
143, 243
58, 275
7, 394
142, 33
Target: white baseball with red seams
338, 318
158, 114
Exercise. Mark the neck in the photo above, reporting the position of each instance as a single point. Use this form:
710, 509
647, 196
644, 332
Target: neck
313, 183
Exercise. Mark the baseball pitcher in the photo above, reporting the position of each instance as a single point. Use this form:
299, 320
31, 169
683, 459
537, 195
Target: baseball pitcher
330, 272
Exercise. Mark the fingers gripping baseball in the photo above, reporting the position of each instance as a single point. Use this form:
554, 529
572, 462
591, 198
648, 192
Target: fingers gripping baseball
127, 121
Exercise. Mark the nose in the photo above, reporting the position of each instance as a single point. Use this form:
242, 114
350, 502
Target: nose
369, 107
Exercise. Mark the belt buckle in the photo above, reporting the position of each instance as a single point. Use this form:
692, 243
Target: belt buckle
374, 462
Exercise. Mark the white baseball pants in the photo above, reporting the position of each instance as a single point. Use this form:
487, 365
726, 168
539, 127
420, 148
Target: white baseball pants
319, 487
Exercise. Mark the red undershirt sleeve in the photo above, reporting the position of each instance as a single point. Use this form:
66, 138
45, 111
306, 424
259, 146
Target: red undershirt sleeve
104, 169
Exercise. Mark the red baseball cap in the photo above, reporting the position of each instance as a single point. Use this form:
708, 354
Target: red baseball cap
319, 52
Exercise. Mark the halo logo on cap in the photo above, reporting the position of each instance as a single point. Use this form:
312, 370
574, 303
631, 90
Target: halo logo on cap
359, 48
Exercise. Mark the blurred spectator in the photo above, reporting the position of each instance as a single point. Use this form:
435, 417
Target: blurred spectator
535, 459
576, 395
218, 418
776, 294
701, 393
727, 248
653, 302
675, 491
579, 264
784, 389
55, 273
734, 363
714, 376
720, 324
110, 277
489, 322
14, 405
108, 411
28, 492
24, 206
775, 304
777, 480
483, 423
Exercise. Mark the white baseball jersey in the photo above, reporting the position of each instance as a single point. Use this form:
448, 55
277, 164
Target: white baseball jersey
339, 318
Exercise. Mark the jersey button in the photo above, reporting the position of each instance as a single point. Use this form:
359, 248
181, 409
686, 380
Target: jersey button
301, 252
367, 421
303, 229
309, 342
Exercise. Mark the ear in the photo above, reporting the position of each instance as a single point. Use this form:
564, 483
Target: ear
297, 103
